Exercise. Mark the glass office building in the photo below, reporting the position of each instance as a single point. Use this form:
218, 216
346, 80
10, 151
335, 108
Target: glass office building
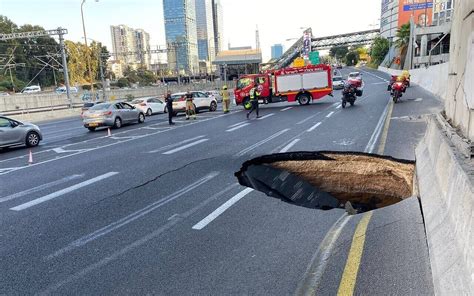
277, 51
181, 35
205, 30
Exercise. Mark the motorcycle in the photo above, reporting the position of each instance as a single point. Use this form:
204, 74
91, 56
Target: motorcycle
349, 94
397, 88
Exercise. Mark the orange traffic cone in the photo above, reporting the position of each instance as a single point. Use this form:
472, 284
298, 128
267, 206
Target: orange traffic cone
30, 158
109, 134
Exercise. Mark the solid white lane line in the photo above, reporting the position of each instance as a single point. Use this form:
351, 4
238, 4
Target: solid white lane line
266, 116
330, 114
236, 124
237, 127
378, 129
132, 217
338, 107
377, 83
185, 147
39, 188
176, 144
250, 148
212, 216
291, 144
286, 109
314, 127
62, 192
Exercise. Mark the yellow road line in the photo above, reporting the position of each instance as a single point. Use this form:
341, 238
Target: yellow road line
349, 276
383, 138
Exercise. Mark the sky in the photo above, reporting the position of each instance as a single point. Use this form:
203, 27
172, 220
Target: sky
277, 20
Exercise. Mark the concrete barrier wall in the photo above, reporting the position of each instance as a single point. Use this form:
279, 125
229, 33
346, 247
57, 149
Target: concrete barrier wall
445, 179
433, 79
45, 100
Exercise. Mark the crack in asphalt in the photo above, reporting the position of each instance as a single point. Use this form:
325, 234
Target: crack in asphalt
144, 183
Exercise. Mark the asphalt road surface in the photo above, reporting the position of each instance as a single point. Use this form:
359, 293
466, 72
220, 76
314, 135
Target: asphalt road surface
157, 210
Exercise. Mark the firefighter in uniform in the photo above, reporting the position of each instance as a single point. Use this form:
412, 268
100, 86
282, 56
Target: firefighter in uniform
225, 99
190, 111
254, 96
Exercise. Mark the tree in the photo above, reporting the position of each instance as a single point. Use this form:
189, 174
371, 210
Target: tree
338, 52
352, 58
403, 39
379, 50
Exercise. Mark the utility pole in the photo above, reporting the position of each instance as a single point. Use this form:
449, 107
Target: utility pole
65, 70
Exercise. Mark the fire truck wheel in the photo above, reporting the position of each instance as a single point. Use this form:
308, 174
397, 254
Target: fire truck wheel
304, 99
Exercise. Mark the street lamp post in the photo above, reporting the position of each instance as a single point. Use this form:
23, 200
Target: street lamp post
87, 48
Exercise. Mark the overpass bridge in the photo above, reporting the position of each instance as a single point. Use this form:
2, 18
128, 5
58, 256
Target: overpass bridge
321, 43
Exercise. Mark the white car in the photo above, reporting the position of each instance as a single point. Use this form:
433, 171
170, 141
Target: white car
62, 90
31, 89
149, 105
214, 93
200, 99
337, 82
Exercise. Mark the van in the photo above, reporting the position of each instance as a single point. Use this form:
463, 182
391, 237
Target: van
31, 89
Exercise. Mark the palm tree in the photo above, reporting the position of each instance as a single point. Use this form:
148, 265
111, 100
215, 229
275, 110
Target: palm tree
403, 39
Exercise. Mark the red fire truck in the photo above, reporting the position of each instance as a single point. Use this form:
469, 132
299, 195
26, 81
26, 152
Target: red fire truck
303, 84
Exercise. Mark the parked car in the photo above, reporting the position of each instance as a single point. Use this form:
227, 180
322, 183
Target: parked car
337, 82
214, 93
15, 133
111, 114
62, 90
31, 89
149, 105
201, 102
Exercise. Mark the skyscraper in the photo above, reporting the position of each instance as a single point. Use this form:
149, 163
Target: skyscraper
277, 51
218, 24
205, 30
126, 40
181, 35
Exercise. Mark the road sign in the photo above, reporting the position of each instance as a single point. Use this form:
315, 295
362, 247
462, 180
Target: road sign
314, 57
298, 63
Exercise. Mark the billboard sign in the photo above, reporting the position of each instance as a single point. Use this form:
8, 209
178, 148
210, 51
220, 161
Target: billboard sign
421, 10
306, 45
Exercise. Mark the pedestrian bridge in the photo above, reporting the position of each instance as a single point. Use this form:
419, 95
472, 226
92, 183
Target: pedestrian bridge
321, 43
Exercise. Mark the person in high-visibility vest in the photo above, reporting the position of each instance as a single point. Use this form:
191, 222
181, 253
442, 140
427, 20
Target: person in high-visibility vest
225, 99
190, 111
254, 96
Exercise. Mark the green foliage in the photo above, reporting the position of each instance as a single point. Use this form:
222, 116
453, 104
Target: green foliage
379, 50
123, 82
338, 52
352, 58
403, 36
140, 76
129, 97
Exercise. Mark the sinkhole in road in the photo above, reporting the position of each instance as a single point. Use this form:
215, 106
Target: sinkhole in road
325, 180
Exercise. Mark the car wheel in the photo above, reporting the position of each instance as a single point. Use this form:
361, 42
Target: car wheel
304, 99
213, 106
117, 123
91, 129
32, 139
149, 112
141, 118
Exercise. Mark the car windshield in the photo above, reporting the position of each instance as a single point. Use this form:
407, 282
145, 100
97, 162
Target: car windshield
243, 82
88, 105
354, 75
337, 78
100, 107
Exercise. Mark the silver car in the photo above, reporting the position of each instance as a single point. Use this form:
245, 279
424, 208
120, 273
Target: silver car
111, 114
15, 133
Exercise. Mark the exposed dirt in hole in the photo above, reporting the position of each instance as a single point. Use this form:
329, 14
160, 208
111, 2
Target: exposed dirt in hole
331, 179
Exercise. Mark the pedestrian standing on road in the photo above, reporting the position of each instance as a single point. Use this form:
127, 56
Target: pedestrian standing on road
225, 99
190, 110
169, 107
254, 96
